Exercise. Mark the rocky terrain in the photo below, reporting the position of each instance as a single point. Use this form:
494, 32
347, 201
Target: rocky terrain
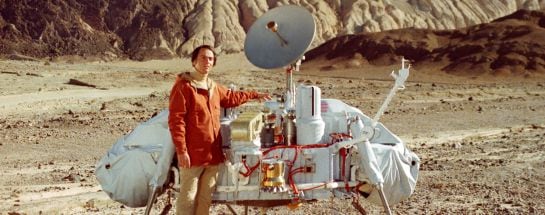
472, 109
506, 46
481, 141
145, 29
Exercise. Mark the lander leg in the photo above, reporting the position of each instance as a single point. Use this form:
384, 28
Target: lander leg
151, 200
173, 185
263, 210
357, 205
231, 209
370, 165
384, 200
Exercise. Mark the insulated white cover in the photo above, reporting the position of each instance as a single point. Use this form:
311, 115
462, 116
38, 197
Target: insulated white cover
399, 168
137, 162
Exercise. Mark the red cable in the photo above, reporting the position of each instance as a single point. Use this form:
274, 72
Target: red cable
312, 188
290, 174
336, 137
343, 153
249, 170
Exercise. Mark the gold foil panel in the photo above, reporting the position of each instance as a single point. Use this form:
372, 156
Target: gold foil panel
247, 126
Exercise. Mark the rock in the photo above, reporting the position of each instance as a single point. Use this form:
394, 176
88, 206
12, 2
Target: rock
145, 29
457, 145
79, 83
72, 178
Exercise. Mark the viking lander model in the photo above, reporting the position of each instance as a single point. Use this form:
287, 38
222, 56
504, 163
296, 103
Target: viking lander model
296, 148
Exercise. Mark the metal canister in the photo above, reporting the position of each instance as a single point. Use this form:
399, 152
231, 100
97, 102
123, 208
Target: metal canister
267, 136
289, 129
273, 176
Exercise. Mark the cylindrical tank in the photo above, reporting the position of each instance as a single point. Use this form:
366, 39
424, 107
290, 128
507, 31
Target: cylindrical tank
308, 102
289, 130
267, 136
310, 126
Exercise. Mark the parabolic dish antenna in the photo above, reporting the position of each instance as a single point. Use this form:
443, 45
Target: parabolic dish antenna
279, 37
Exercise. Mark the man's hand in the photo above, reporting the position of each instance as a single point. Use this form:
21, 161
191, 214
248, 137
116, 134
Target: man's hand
263, 97
183, 160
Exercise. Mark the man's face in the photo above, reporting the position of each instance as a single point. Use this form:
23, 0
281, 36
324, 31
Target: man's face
204, 61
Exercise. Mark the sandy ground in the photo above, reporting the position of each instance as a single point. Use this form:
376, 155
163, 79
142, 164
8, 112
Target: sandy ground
481, 139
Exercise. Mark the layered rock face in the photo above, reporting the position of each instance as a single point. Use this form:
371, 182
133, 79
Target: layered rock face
508, 45
154, 29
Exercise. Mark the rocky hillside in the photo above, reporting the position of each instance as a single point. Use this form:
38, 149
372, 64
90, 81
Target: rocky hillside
508, 45
152, 29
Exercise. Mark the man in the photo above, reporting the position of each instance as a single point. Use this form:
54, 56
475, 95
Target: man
195, 102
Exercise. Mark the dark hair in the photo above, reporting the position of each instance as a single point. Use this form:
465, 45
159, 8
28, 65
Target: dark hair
196, 51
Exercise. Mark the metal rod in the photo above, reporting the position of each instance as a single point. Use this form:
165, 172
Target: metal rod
273, 27
358, 207
151, 199
231, 209
303, 186
290, 94
399, 84
283, 42
383, 199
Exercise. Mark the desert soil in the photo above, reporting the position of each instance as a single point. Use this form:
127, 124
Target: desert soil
481, 140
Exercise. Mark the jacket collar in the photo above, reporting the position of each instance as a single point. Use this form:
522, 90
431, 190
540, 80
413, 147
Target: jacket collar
194, 83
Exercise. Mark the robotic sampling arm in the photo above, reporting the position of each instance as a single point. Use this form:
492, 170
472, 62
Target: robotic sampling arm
361, 139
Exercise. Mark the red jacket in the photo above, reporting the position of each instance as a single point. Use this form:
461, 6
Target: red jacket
194, 118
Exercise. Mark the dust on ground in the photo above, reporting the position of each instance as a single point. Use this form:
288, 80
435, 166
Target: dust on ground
481, 139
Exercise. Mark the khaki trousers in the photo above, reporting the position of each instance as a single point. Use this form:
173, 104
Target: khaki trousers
196, 187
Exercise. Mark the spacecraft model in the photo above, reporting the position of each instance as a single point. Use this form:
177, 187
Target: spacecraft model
297, 148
